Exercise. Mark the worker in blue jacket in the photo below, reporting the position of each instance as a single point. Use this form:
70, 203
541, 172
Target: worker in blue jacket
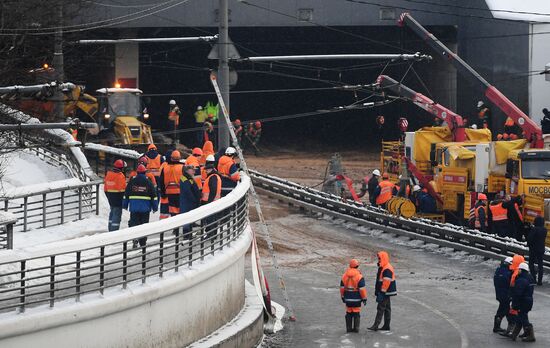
190, 195
501, 281
426, 203
522, 303
140, 199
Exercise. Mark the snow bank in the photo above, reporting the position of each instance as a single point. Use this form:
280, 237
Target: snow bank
126, 153
531, 11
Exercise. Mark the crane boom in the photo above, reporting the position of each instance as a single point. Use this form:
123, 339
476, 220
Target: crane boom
533, 133
454, 121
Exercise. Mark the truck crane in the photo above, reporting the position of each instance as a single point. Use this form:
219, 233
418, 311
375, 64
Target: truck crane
533, 133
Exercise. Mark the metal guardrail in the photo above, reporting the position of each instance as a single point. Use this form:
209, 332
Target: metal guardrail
6, 230
73, 268
446, 235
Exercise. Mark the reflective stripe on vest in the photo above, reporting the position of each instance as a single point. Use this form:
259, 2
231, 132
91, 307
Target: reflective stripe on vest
386, 188
498, 212
520, 215
172, 174
153, 165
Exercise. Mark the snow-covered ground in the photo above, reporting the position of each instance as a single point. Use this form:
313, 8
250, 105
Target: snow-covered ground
23, 168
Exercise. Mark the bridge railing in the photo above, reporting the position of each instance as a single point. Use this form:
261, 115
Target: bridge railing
6, 230
73, 268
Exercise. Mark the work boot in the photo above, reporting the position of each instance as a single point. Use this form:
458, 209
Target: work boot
515, 332
529, 334
386, 326
356, 322
349, 319
508, 331
374, 327
496, 326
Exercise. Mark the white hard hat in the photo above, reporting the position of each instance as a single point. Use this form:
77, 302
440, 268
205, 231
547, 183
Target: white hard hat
524, 266
508, 260
172, 102
479, 104
210, 158
199, 107
376, 172
416, 188
230, 151
474, 126
400, 176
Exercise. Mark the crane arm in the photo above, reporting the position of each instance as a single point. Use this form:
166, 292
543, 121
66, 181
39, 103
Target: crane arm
455, 121
532, 131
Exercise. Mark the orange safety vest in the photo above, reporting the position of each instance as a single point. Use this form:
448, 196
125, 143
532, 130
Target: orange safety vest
206, 188
153, 165
194, 161
518, 211
476, 211
224, 167
498, 212
386, 188
114, 182
172, 175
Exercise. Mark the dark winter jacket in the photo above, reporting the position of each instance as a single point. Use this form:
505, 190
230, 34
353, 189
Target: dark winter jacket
140, 195
426, 203
189, 194
537, 237
371, 187
545, 123
522, 292
152, 154
501, 280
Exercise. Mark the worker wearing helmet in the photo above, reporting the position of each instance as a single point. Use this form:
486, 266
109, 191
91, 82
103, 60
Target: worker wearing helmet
114, 186
238, 127
253, 134
228, 170
501, 281
498, 219
385, 288
384, 191
353, 292
174, 114
480, 211
484, 116
207, 150
144, 160
200, 118
140, 198
164, 212
190, 195
154, 161
169, 183
371, 186
522, 303
194, 160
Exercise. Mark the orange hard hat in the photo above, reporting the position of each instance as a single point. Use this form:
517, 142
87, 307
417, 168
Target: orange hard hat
197, 151
513, 136
385, 176
482, 197
499, 136
509, 122
354, 263
176, 156
505, 136
152, 147
141, 169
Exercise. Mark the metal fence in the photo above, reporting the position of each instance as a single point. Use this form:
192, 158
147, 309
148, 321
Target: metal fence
6, 230
73, 268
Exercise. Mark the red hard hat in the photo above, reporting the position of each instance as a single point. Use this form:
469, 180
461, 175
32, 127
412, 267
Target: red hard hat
143, 160
237, 122
120, 164
141, 169
354, 263
197, 151
482, 197
176, 156
258, 124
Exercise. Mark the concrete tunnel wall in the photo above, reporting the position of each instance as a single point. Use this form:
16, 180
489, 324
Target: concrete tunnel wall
171, 312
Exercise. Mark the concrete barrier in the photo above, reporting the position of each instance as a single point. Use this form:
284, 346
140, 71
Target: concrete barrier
172, 312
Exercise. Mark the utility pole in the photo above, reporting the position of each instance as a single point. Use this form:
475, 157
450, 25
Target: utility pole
59, 112
223, 68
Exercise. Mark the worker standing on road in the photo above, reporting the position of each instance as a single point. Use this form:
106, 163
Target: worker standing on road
140, 198
383, 192
353, 292
515, 217
545, 122
164, 213
169, 183
194, 160
228, 170
501, 281
385, 288
481, 212
498, 219
200, 118
536, 241
154, 161
114, 186
522, 303
190, 195
174, 115
512, 315
372, 185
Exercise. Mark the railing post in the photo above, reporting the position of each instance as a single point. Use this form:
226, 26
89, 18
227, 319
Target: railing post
80, 203
77, 287
203, 236
9, 235
44, 210
161, 254
177, 252
6, 205
25, 200
101, 268
190, 250
22, 287
52, 280
143, 264
124, 264
97, 199
62, 207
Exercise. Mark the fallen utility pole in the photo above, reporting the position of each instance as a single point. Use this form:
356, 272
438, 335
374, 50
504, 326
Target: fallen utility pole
149, 40
45, 89
263, 224
33, 126
417, 57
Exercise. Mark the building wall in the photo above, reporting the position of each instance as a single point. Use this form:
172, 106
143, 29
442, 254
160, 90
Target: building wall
539, 56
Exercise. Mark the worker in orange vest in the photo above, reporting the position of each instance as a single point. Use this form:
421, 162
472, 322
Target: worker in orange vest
207, 149
513, 314
211, 192
480, 211
498, 219
194, 160
228, 170
164, 213
384, 191
385, 288
154, 161
143, 160
515, 217
169, 183
353, 292
174, 115
114, 186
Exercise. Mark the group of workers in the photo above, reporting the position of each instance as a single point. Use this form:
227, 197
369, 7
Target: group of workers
354, 293
514, 287
181, 184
